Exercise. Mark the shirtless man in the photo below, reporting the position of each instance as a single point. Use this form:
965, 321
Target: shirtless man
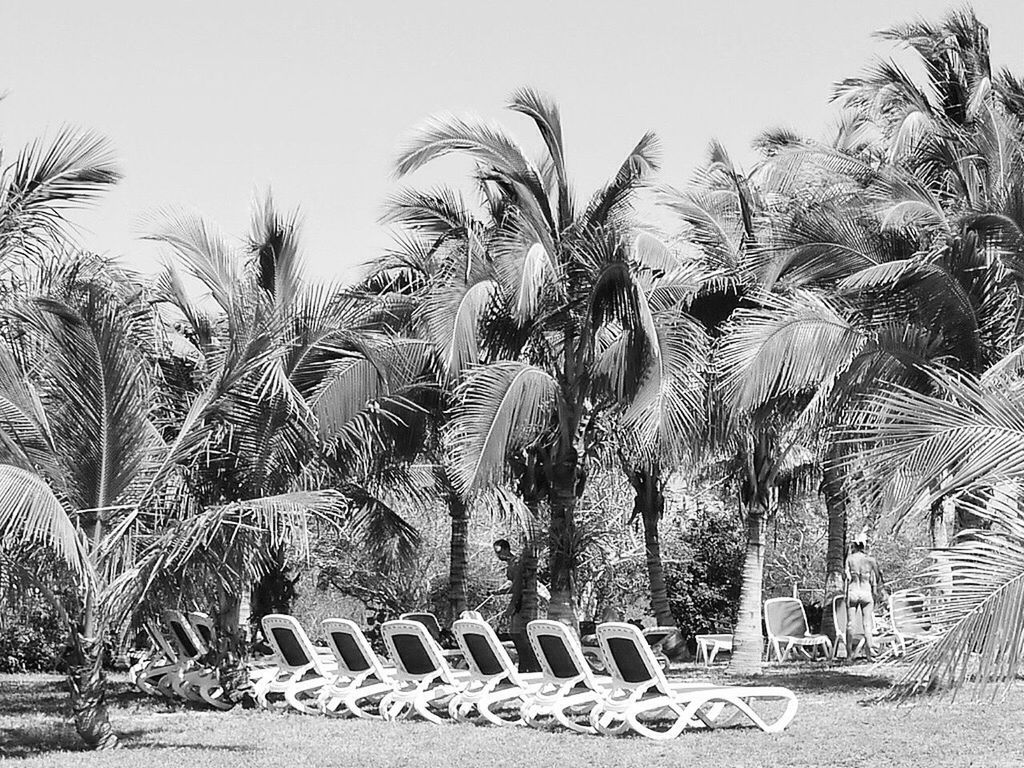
863, 583
515, 614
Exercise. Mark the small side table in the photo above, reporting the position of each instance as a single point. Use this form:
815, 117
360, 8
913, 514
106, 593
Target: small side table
708, 646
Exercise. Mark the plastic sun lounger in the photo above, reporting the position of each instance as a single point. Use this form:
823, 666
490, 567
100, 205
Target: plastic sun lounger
908, 612
493, 680
301, 671
193, 681
786, 622
569, 688
362, 679
424, 683
643, 697
433, 626
153, 673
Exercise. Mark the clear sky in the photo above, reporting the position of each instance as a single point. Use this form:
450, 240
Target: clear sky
209, 102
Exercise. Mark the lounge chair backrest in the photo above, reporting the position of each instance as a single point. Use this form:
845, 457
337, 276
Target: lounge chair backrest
657, 635
416, 654
785, 617
351, 648
203, 625
630, 660
160, 640
428, 620
291, 644
189, 644
486, 656
558, 650
908, 611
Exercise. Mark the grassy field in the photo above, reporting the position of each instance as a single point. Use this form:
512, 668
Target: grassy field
834, 727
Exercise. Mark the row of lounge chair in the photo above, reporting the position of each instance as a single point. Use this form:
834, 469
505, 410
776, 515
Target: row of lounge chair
348, 679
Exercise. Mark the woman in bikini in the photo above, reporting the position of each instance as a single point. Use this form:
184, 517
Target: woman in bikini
863, 582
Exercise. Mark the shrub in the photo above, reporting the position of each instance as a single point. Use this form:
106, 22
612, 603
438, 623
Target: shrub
704, 584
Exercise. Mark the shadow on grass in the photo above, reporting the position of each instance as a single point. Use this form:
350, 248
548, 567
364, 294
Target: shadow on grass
826, 681
35, 718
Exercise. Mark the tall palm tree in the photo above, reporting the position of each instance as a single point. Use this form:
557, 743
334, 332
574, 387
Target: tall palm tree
330, 395
531, 316
659, 423
424, 282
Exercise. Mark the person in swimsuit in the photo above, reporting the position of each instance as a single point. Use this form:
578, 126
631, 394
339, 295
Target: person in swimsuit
863, 584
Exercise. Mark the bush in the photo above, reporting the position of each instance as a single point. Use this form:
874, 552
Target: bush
33, 641
704, 585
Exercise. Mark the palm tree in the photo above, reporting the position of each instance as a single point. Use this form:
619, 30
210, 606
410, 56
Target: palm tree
423, 282
659, 423
87, 475
47, 179
532, 314
331, 395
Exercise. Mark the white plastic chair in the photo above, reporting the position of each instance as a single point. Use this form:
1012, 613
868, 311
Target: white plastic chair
424, 683
643, 697
568, 689
493, 681
300, 671
362, 679
786, 622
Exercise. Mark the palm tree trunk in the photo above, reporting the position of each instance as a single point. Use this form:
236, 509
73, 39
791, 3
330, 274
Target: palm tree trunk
835, 554
88, 686
230, 651
649, 505
939, 535
457, 566
561, 540
748, 639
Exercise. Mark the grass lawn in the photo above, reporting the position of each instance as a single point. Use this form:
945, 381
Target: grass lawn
834, 727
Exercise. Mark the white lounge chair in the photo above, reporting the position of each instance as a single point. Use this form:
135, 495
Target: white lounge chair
493, 681
569, 688
424, 683
786, 622
911, 624
362, 679
300, 671
153, 673
643, 697
194, 681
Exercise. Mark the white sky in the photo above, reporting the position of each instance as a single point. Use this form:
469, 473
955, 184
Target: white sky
209, 102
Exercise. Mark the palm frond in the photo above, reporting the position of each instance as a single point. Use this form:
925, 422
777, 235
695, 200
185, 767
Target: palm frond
787, 346
501, 407
31, 513
977, 615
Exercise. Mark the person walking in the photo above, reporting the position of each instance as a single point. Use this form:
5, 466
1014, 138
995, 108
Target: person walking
514, 613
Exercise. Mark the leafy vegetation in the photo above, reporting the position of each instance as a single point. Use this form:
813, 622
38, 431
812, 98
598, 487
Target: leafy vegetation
676, 401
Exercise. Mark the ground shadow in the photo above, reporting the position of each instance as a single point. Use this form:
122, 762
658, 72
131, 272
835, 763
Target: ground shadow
35, 718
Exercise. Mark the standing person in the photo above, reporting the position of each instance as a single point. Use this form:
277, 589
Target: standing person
517, 618
863, 584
